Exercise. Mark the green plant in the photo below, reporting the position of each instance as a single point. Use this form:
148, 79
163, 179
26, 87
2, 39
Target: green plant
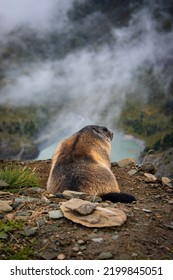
13, 251
24, 253
8, 227
17, 177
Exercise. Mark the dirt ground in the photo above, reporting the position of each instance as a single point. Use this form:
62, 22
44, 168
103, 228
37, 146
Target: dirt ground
147, 233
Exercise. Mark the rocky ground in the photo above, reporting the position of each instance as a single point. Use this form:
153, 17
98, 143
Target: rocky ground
29, 230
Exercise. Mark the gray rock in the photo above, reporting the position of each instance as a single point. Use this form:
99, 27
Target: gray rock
61, 256
72, 194
81, 242
115, 236
99, 217
59, 195
49, 255
30, 232
114, 164
97, 239
75, 249
25, 199
56, 206
166, 182
55, 214
128, 162
134, 255
132, 172
169, 226
170, 201
16, 204
149, 178
146, 210
5, 207
82, 248
105, 256
148, 168
37, 190
80, 206
41, 222
93, 198
26, 214
81, 195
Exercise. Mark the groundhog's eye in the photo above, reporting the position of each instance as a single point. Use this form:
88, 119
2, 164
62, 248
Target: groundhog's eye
105, 129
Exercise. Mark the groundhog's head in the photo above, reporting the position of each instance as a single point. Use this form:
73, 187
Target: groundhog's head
99, 132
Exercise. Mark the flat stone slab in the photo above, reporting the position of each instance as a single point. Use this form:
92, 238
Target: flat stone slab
98, 218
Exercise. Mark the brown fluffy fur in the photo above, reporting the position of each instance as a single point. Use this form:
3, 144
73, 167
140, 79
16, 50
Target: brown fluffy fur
82, 163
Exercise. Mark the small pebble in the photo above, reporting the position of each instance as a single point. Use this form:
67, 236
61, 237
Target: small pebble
75, 249
98, 239
81, 242
27, 214
15, 205
146, 210
170, 201
105, 256
41, 222
61, 257
132, 172
30, 232
82, 248
45, 241
115, 237
134, 255
59, 195
55, 214
169, 226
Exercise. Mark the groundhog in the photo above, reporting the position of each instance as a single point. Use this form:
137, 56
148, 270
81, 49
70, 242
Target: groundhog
82, 163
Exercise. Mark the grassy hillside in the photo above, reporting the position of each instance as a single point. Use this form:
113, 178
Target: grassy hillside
18, 129
151, 122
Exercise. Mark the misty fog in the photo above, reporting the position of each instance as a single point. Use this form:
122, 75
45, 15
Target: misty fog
87, 79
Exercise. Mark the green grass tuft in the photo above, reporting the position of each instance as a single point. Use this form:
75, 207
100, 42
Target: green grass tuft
24, 253
12, 251
17, 177
10, 226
